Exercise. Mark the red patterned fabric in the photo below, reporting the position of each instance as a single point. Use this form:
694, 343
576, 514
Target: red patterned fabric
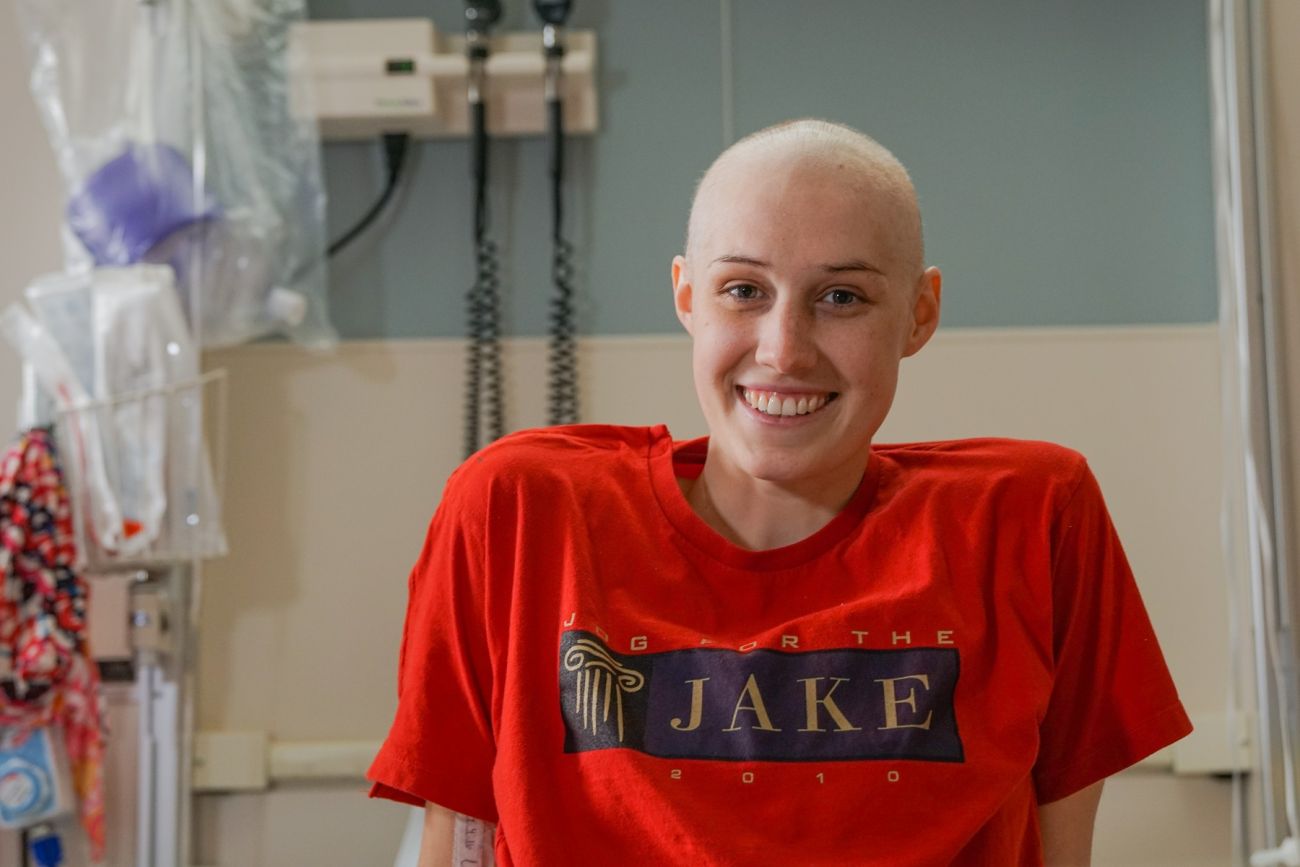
46, 674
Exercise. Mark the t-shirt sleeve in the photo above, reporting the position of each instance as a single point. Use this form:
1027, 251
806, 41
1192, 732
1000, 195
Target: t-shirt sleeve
441, 746
1113, 702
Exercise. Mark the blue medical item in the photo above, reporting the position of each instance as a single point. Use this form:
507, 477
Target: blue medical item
33, 780
134, 201
46, 847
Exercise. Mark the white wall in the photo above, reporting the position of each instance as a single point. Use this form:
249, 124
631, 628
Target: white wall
336, 465
31, 198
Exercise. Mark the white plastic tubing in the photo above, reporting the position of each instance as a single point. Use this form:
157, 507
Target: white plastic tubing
1255, 537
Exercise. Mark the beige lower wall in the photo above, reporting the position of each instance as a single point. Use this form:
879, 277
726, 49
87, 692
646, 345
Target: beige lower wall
1146, 820
336, 463
1157, 820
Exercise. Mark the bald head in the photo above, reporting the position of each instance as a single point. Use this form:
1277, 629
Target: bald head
863, 165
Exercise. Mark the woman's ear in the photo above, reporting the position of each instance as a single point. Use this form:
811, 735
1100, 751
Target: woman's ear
682, 299
926, 299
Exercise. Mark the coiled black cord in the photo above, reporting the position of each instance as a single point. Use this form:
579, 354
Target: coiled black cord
483, 307
562, 361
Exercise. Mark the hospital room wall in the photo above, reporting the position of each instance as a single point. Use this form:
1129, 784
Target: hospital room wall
1067, 198
337, 462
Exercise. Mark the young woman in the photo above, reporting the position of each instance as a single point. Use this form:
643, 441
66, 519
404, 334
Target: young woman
778, 644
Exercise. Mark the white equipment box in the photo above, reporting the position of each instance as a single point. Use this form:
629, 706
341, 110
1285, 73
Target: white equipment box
363, 78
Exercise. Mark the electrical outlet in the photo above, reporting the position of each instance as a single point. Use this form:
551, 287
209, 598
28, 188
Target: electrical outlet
149, 628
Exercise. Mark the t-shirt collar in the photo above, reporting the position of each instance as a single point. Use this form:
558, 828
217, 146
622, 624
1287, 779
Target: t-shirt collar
668, 460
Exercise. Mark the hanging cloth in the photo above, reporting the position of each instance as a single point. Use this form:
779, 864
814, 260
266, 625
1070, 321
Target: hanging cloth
47, 677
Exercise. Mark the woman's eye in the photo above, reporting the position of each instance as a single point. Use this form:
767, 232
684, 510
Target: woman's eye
841, 297
743, 292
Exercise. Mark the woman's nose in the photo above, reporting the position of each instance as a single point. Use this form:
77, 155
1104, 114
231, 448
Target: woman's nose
785, 340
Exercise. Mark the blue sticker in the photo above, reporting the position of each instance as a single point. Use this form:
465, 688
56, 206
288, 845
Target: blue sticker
26, 783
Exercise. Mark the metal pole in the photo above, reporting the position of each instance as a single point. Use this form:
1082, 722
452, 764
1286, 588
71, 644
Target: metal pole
1245, 246
1273, 411
1226, 51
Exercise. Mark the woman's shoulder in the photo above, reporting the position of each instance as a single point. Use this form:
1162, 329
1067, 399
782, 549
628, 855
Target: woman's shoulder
563, 444
985, 462
986, 450
566, 455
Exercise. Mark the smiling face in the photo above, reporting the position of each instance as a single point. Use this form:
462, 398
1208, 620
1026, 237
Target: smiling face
802, 292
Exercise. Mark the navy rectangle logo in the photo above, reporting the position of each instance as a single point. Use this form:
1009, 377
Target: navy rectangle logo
766, 705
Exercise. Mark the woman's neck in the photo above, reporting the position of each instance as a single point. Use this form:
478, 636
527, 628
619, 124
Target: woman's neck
760, 515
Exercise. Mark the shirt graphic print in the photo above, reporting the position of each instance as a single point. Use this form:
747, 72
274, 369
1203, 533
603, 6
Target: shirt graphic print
768, 705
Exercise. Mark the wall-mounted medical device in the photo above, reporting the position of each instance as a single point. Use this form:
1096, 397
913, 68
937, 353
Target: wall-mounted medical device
369, 77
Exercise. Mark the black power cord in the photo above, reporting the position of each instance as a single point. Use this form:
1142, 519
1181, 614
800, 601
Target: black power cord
562, 367
396, 145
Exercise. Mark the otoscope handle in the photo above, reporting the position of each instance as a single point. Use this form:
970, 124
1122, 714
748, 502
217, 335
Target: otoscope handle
554, 12
478, 143
481, 15
555, 117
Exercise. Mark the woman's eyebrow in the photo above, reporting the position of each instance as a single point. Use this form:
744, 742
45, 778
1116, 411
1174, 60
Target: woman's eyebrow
830, 268
737, 259
854, 265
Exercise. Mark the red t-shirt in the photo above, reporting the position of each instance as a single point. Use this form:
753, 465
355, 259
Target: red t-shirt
590, 666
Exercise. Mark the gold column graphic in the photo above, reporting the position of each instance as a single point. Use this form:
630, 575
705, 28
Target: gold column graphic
602, 682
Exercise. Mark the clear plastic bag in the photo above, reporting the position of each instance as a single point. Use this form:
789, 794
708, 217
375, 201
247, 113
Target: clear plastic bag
61, 382
112, 351
171, 125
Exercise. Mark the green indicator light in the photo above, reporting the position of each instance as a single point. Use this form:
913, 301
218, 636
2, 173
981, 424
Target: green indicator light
401, 66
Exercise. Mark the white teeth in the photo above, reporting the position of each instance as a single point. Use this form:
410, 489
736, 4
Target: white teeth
774, 404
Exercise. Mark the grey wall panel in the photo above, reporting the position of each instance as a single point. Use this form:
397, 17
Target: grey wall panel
1061, 151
